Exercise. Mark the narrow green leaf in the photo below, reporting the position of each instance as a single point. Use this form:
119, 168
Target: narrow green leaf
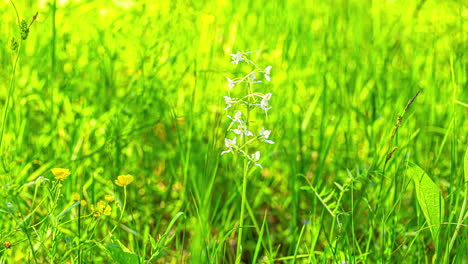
68, 209
429, 198
466, 165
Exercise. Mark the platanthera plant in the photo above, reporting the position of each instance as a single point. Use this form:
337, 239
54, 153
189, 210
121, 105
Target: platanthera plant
247, 108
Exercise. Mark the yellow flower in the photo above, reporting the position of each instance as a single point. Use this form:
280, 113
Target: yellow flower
76, 196
124, 180
83, 203
103, 208
107, 210
60, 173
101, 205
109, 198
96, 213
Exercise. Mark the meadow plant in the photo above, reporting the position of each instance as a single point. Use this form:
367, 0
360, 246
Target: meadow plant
248, 106
244, 121
15, 47
81, 112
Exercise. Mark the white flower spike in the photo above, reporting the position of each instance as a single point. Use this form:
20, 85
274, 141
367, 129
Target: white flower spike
252, 104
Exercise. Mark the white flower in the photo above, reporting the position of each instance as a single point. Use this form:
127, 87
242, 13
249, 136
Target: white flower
242, 130
229, 143
267, 73
237, 118
39, 180
264, 134
253, 78
236, 58
42, 178
264, 102
229, 102
231, 83
256, 157
239, 56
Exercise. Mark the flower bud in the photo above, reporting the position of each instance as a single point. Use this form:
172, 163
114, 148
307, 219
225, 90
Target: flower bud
7, 244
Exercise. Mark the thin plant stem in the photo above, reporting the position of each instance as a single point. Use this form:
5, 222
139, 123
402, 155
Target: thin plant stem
121, 212
244, 191
242, 212
7, 105
79, 233
10, 88
457, 228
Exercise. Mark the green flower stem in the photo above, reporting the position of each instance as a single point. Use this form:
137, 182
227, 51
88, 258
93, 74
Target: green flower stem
121, 212
244, 191
242, 212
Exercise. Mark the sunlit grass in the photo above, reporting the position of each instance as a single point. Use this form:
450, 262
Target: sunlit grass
113, 121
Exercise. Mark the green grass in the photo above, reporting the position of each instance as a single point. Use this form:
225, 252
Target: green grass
107, 88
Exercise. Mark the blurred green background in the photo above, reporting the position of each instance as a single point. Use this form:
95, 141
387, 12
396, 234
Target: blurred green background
106, 88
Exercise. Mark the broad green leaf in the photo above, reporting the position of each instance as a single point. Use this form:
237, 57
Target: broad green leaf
429, 198
119, 255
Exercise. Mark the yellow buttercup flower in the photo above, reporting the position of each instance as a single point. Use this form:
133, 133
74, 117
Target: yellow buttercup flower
101, 205
124, 180
103, 208
83, 203
109, 198
107, 210
96, 213
60, 173
76, 196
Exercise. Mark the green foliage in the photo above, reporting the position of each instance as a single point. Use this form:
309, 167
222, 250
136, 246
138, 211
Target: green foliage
429, 198
120, 255
466, 166
125, 87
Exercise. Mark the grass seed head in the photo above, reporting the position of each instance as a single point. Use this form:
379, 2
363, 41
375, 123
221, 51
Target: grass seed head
13, 44
24, 29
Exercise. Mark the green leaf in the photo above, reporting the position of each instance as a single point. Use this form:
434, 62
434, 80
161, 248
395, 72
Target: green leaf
429, 198
119, 254
68, 209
